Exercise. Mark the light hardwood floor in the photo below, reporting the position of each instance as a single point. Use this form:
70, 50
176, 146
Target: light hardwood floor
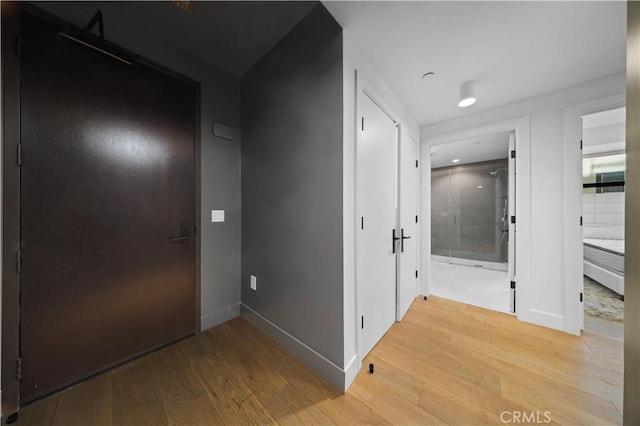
445, 363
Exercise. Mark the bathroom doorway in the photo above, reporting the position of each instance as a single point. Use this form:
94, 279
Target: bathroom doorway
473, 221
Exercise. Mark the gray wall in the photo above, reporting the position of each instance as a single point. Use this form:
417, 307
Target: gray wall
220, 160
631, 415
292, 185
466, 220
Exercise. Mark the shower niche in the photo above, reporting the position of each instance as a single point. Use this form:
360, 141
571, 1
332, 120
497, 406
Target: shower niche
470, 214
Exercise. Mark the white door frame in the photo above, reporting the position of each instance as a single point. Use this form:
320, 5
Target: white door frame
511, 249
572, 205
404, 139
521, 127
363, 85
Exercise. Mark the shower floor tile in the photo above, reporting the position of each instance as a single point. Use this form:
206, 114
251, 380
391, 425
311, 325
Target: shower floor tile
481, 287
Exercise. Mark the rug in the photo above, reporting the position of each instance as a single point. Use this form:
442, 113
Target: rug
600, 302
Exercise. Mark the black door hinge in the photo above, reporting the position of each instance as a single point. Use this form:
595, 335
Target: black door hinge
416, 163
19, 155
580, 220
513, 219
513, 153
513, 285
362, 322
18, 262
363, 124
416, 218
19, 369
362, 222
581, 144
416, 274
581, 297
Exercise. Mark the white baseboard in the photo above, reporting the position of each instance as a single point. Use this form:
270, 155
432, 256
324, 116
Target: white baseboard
325, 368
545, 319
220, 316
351, 372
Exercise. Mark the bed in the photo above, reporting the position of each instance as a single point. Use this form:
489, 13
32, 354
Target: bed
604, 262
603, 238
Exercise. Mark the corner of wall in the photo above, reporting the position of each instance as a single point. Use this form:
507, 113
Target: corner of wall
322, 366
351, 372
218, 317
355, 63
349, 219
293, 195
631, 414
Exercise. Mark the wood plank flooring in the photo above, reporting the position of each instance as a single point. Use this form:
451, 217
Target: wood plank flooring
445, 363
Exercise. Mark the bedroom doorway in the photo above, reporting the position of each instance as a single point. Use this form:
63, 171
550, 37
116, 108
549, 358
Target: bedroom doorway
472, 234
603, 173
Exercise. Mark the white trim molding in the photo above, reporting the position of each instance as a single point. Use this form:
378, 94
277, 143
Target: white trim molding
572, 205
325, 368
522, 127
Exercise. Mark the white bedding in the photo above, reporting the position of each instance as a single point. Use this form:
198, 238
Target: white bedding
612, 245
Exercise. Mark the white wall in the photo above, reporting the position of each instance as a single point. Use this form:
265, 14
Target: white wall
604, 211
552, 158
354, 60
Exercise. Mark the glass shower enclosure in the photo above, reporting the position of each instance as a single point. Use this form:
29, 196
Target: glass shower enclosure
470, 214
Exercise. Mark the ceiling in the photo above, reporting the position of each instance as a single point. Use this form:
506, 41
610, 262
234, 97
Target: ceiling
232, 35
513, 50
474, 150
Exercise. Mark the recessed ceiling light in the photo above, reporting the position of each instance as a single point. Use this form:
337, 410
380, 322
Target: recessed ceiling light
455, 160
428, 74
479, 186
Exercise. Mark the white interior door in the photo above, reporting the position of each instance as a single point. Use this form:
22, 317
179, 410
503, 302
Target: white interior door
408, 258
511, 260
376, 189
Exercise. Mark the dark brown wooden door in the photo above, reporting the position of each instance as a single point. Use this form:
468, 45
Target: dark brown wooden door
107, 179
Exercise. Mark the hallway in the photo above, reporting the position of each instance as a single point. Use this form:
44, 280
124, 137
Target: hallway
447, 362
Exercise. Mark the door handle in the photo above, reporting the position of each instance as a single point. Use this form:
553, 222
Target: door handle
402, 238
187, 233
393, 240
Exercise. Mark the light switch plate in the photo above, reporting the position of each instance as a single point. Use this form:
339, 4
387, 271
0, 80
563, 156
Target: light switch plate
225, 132
217, 215
253, 282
